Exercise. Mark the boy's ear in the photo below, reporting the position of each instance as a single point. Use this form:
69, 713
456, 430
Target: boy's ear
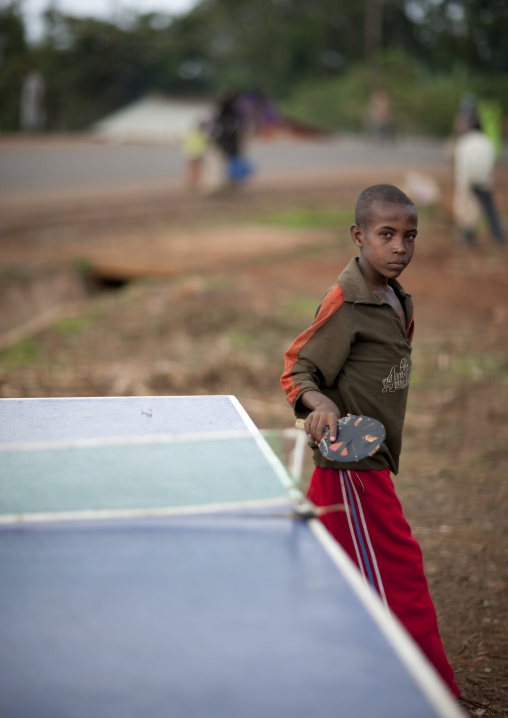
357, 235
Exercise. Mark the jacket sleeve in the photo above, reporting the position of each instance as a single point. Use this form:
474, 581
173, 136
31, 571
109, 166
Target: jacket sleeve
315, 359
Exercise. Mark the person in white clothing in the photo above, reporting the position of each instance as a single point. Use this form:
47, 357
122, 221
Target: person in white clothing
32, 103
474, 182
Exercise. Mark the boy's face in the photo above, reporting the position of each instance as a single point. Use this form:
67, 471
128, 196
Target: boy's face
388, 242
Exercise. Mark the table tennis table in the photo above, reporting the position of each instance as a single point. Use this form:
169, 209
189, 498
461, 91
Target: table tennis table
153, 563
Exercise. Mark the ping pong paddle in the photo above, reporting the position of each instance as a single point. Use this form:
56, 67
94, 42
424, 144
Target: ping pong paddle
357, 437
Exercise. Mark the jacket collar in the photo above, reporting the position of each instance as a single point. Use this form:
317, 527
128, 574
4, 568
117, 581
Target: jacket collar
356, 290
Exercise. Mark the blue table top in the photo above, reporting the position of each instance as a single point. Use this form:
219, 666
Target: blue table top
194, 591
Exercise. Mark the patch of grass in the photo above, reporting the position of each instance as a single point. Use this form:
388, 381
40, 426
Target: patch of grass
242, 340
454, 361
218, 283
23, 352
476, 367
273, 438
304, 306
13, 273
307, 218
417, 378
71, 326
83, 266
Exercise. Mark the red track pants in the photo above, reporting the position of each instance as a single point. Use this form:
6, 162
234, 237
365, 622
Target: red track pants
377, 537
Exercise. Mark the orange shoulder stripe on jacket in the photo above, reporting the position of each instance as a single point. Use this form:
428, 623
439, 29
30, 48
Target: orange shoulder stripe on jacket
330, 304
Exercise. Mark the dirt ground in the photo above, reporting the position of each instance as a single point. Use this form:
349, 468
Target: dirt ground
200, 295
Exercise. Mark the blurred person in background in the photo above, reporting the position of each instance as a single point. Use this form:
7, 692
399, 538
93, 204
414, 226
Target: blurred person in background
475, 160
490, 114
467, 114
227, 129
195, 146
228, 134
32, 102
379, 118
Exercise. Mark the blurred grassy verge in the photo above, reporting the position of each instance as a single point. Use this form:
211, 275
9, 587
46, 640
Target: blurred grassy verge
303, 307
72, 326
458, 407
26, 351
454, 360
309, 217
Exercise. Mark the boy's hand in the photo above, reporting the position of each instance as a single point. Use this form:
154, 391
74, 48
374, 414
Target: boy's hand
316, 423
324, 413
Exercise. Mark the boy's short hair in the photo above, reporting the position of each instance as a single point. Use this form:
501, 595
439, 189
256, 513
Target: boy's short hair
378, 193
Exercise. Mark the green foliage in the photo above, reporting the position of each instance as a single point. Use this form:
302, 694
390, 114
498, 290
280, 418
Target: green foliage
309, 55
424, 103
334, 104
429, 105
93, 67
274, 43
14, 61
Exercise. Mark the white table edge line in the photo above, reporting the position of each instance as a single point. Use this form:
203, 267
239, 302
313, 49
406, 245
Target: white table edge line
417, 664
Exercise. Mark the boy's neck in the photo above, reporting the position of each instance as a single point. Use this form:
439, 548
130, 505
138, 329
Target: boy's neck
374, 281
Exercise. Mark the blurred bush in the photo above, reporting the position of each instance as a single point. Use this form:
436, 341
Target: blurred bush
424, 103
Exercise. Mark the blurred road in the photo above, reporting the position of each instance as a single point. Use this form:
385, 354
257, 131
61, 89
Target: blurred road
32, 167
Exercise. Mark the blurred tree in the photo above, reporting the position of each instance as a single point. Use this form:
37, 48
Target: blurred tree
274, 43
295, 50
471, 33
94, 67
14, 62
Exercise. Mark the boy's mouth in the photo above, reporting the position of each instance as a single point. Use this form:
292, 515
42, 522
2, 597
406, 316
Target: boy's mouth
397, 264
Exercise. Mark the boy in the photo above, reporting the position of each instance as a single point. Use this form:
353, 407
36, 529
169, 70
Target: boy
355, 358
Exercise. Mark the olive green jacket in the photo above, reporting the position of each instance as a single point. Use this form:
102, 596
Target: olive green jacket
357, 353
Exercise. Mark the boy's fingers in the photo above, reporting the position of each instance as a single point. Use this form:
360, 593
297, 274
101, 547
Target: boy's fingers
333, 428
311, 428
324, 421
315, 426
